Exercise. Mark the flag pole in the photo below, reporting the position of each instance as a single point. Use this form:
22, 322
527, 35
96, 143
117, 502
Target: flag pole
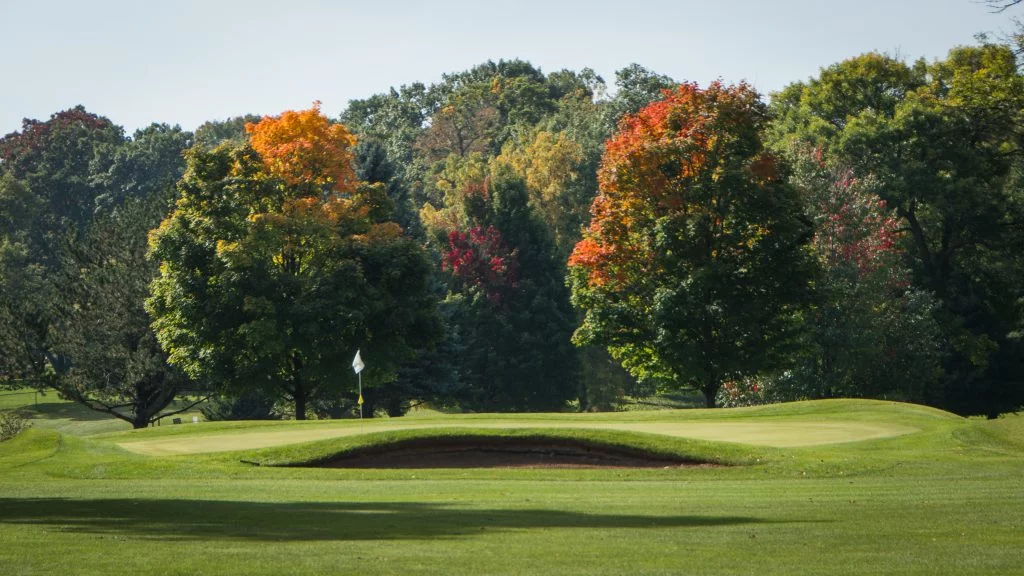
358, 365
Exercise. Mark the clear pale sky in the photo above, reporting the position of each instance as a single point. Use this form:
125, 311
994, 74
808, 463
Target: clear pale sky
188, 61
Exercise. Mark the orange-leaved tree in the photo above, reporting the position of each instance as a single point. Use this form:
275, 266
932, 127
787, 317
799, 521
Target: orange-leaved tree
276, 264
694, 266
305, 149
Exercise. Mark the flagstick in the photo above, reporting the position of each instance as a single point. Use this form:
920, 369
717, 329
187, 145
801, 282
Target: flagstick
357, 365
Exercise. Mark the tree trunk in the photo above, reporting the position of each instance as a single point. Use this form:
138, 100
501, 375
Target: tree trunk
140, 421
299, 396
395, 407
299, 392
581, 392
710, 390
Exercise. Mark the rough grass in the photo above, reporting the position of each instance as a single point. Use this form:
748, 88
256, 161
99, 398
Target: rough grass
944, 499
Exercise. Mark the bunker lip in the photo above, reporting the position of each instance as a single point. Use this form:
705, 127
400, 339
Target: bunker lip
497, 452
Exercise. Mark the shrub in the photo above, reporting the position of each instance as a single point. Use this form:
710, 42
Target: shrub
12, 424
747, 392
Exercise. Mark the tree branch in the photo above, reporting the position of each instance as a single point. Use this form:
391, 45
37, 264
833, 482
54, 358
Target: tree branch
997, 6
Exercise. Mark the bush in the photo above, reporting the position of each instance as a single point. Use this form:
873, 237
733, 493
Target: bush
12, 424
752, 392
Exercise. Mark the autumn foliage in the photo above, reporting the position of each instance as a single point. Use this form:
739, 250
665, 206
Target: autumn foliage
289, 265
481, 260
856, 228
304, 147
657, 164
693, 259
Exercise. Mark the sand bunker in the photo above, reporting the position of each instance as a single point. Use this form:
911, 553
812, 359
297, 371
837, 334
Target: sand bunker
496, 452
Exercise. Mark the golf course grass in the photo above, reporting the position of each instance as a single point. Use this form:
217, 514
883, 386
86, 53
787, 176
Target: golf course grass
827, 487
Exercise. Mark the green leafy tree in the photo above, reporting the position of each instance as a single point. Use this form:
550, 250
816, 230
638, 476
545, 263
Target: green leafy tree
75, 273
115, 365
213, 133
396, 119
375, 167
529, 363
24, 290
392, 123
507, 305
277, 264
694, 269
943, 141
47, 197
114, 362
636, 87
870, 332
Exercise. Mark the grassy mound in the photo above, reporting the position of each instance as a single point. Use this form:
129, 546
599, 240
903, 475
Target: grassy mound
784, 425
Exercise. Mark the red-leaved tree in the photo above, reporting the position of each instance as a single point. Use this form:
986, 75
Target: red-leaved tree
480, 260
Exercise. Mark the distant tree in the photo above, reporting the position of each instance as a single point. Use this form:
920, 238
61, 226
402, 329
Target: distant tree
551, 164
467, 123
75, 273
636, 87
694, 269
393, 122
115, 363
231, 131
569, 84
870, 332
516, 319
507, 305
48, 194
278, 263
56, 160
943, 141
373, 166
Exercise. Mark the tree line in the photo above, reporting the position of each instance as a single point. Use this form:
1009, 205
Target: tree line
510, 240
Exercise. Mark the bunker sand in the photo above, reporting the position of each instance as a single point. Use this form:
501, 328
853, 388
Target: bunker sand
786, 434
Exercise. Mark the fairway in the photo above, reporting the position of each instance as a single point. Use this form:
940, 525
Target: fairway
828, 487
776, 434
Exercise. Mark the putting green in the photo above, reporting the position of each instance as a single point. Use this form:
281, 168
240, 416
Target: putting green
790, 433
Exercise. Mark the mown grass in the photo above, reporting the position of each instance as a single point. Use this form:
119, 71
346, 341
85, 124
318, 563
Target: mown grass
943, 500
779, 425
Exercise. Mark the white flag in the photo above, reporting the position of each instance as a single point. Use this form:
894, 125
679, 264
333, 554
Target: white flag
357, 363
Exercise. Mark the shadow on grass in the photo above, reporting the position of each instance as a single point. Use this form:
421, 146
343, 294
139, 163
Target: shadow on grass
311, 521
65, 411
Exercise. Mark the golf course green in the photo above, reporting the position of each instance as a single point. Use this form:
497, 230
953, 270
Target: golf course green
825, 487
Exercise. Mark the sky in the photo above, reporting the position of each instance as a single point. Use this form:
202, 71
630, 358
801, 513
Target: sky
188, 61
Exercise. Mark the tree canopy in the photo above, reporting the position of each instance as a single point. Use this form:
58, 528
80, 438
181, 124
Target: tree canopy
693, 268
859, 236
276, 265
